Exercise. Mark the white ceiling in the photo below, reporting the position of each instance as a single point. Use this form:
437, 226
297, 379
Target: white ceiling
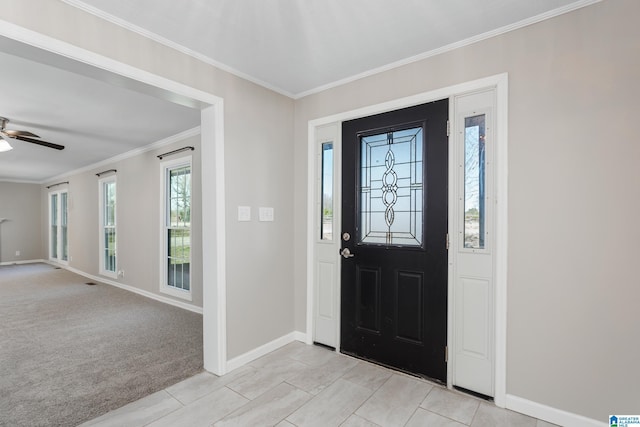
300, 46
295, 47
94, 120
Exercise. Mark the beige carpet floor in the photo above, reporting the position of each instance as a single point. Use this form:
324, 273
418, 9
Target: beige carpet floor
70, 352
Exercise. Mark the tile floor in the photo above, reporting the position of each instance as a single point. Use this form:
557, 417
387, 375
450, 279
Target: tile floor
301, 385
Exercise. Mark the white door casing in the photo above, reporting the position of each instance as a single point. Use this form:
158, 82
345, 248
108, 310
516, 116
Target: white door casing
213, 202
494, 293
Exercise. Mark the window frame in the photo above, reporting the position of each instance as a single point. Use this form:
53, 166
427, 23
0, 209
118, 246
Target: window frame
166, 167
101, 227
61, 221
324, 186
489, 185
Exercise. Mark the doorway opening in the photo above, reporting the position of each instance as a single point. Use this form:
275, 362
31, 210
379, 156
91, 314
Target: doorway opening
63, 55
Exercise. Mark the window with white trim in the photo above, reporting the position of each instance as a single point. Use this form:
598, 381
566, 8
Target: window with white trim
58, 226
176, 229
108, 259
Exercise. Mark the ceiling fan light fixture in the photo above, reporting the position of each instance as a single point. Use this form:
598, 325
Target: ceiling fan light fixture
4, 145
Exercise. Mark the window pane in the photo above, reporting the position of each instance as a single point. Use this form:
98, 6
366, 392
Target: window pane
65, 251
54, 226
178, 261
474, 182
63, 220
179, 214
54, 242
109, 202
110, 249
391, 188
63, 208
326, 224
54, 209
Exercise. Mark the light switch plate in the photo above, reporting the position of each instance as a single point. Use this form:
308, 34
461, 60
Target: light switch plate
265, 214
244, 213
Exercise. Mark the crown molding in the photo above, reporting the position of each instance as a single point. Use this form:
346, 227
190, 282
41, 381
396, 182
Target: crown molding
452, 46
132, 153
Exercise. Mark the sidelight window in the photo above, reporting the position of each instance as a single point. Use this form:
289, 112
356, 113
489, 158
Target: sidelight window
474, 182
326, 223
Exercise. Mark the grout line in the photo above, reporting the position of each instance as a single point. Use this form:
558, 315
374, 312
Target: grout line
411, 416
179, 401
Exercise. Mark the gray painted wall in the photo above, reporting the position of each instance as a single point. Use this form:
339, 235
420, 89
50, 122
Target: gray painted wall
20, 204
572, 328
572, 339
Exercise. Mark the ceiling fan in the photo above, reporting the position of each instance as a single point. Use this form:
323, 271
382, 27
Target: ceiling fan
22, 135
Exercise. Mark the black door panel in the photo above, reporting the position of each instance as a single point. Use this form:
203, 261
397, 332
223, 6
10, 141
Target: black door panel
394, 191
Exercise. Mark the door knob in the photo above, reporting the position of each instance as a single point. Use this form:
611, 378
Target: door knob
346, 253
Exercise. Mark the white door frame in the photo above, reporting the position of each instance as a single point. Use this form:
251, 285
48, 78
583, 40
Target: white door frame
213, 202
500, 83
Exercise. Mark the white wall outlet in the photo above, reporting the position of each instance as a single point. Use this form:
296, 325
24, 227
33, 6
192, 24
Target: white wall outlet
120, 273
244, 213
266, 214
17, 253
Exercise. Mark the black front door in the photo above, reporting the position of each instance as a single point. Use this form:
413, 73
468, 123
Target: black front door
394, 227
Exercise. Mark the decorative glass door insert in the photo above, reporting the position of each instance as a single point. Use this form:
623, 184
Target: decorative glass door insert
391, 188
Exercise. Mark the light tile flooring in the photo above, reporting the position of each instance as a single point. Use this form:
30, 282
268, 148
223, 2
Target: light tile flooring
301, 385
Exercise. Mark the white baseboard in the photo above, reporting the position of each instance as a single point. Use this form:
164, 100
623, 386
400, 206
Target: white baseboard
258, 352
135, 290
300, 336
550, 414
29, 261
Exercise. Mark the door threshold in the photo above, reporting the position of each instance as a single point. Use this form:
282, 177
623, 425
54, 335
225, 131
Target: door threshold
328, 347
396, 369
474, 393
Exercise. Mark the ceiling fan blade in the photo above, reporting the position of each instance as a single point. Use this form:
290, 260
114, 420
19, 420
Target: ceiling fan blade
39, 142
14, 133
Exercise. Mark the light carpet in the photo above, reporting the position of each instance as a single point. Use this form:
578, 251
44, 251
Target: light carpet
70, 352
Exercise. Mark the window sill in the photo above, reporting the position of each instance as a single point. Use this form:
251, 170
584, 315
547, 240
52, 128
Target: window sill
109, 274
178, 293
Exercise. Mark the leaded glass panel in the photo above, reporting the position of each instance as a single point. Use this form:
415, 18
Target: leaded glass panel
391, 188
